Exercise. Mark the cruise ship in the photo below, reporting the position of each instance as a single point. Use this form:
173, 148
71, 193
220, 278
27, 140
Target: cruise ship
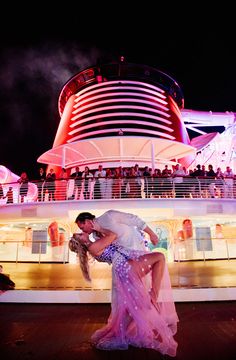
120, 115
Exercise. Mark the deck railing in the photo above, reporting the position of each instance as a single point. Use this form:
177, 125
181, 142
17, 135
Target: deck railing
45, 251
122, 188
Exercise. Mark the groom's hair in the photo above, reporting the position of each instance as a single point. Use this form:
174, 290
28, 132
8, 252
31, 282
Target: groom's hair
84, 216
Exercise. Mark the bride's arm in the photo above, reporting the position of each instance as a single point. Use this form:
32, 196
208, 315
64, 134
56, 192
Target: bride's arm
107, 237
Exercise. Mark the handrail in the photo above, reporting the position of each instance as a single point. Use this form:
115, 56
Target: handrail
33, 250
123, 188
190, 249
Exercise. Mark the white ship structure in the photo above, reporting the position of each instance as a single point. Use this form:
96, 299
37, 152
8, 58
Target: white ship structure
122, 114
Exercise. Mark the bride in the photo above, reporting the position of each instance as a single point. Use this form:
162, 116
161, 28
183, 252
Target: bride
140, 316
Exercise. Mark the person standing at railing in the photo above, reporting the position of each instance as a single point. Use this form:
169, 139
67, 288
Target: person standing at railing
125, 188
211, 175
109, 184
117, 183
147, 176
40, 183
219, 183
9, 196
50, 184
166, 183
24, 186
178, 178
100, 183
138, 176
87, 177
62, 185
197, 187
229, 183
77, 177
133, 188
157, 182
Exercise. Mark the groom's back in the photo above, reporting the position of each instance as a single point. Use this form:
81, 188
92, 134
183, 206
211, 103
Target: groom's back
127, 233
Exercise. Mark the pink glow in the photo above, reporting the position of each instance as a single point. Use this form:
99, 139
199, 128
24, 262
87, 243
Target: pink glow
121, 82
117, 107
119, 122
142, 115
121, 93
98, 132
155, 93
8, 178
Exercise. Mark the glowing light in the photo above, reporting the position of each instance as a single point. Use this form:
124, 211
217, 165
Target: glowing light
135, 122
124, 114
122, 93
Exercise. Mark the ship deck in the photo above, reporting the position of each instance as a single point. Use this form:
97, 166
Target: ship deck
53, 312
206, 330
210, 280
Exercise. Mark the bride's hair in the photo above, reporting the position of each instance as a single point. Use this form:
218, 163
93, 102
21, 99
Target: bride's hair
83, 261
82, 253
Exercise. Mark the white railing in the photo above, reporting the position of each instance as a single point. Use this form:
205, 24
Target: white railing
123, 188
34, 251
45, 251
205, 249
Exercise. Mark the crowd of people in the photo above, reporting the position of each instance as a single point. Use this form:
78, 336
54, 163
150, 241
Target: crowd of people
132, 182
136, 182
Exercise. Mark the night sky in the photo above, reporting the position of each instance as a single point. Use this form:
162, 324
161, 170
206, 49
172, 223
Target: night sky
42, 50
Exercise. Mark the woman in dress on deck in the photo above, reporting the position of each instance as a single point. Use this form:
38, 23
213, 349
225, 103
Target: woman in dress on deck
139, 317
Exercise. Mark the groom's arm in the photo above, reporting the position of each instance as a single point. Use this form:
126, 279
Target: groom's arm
132, 220
153, 236
124, 218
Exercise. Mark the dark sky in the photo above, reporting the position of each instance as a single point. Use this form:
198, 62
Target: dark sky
41, 50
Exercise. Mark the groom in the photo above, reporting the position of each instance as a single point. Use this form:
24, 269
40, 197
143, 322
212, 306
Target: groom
128, 227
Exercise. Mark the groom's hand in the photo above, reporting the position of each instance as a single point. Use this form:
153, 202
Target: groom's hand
154, 239
152, 235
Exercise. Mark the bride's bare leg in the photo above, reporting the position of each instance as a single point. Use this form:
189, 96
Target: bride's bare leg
157, 273
154, 263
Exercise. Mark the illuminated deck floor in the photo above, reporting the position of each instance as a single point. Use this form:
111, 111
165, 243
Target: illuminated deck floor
191, 281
